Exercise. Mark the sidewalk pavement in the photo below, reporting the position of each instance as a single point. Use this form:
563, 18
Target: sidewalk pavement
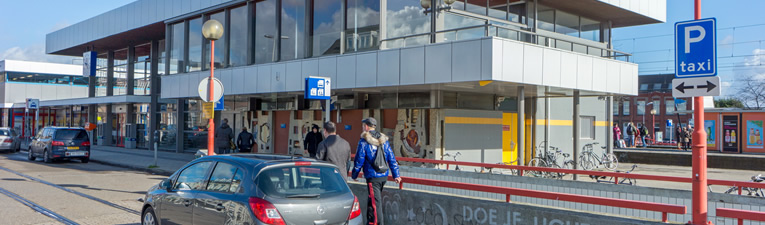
140, 159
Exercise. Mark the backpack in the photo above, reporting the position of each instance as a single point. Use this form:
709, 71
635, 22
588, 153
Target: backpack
379, 163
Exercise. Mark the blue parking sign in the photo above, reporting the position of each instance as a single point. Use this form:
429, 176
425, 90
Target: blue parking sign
317, 88
696, 48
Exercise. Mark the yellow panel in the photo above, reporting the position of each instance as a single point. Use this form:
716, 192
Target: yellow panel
568, 123
472, 120
485, 82
601, 123
509, 149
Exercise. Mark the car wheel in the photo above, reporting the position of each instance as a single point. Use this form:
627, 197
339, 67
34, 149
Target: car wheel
148, 217
30, 157
85, 160
46, 157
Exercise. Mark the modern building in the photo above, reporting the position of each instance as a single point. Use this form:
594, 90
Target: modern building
457, 78
21, 80
655, 107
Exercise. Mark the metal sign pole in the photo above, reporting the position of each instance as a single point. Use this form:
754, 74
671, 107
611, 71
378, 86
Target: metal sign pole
699, 176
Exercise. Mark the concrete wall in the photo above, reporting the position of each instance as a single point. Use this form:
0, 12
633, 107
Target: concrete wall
19, 92
561, 123
476, 134
420, 207
627, 192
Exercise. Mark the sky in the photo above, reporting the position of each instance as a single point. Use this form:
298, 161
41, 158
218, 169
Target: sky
24, 24
740, 35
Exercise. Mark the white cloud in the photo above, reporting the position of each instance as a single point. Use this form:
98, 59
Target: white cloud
33, 53
726, 84
758, 58
727, 40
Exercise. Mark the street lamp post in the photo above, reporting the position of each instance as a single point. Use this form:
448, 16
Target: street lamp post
653, 123
211, 30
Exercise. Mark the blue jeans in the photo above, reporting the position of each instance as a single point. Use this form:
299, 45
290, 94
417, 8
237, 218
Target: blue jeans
630, 140
643, 139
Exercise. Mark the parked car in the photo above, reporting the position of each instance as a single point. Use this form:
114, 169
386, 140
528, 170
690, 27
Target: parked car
9, 140
252, 189
55, 143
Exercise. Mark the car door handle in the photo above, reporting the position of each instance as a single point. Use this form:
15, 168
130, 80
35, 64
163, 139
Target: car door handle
220, 207
186, 203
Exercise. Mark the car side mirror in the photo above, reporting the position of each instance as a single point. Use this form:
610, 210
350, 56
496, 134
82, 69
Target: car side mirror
166, 184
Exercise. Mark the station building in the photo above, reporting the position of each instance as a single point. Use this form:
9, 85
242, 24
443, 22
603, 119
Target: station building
491, 79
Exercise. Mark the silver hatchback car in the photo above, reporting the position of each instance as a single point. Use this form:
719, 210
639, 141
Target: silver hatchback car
252, 189
9, 140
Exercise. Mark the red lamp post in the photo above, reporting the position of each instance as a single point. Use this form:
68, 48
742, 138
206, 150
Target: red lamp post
212, 30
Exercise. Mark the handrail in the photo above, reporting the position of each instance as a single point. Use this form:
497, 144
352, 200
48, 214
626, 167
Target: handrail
586, 199
616, 175
741, 215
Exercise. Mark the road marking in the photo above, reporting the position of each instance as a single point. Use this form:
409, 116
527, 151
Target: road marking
38, 208
123, 208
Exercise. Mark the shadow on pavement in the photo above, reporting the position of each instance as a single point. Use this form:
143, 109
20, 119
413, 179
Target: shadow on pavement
100, 189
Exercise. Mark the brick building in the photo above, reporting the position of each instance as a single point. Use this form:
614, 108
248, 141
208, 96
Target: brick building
654, 93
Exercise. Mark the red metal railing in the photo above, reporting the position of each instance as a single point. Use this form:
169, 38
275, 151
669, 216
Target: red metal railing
664, 209
741, 215
616, 175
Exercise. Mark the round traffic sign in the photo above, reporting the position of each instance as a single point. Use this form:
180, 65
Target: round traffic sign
204, 86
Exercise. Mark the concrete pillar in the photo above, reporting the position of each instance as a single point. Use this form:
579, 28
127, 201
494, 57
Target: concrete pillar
547, 122
154, 90
521, 146
181, 121
92, 111
110, 73
577, 130
610, 123
130, 77
108, 128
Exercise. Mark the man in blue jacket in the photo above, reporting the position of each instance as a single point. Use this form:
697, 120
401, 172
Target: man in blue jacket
371, 141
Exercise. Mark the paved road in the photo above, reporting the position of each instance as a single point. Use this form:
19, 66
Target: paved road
82, 193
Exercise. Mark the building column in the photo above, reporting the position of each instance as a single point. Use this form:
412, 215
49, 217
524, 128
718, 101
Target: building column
130, 77
610, 123
547, 122
92, 111
181, 124
110, 73
108, 125
577, 130
154, 92
521, 146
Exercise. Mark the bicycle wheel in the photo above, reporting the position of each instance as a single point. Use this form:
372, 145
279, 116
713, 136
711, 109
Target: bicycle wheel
585, 163
611, 162
537, 162
566, 165
731, 189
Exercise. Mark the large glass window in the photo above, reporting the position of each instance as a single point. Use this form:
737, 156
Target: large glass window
590, 29
476, 6
566, 23
640, 107
626, 108
546, 18
38, 78
168, 125
222, 178
293, 29
120, 72
363, 23
405, 17
328, 25
498, 9
616, 108
265, 31
176, 47
220, 44
193, 177
238, 37
195, 45
195, 126
142, 69
669, 107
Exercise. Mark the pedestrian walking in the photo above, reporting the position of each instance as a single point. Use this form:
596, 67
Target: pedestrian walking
334, 149
375, 171
245, 141
686, 139
630, 135
224, 136
617, 135
643, 134
312, 140
679, 135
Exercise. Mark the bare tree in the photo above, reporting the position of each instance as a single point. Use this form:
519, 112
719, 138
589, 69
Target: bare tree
752, 93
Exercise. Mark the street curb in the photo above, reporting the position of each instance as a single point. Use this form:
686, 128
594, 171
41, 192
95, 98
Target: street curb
132, 167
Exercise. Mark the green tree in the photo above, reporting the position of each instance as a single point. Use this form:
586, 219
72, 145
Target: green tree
728, 103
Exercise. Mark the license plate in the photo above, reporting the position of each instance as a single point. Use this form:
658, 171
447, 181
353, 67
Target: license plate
72, 148
75, 154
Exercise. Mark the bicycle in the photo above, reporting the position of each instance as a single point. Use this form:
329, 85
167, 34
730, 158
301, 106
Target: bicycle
454, 156
588, 160
550, 159
624, 180
758, 192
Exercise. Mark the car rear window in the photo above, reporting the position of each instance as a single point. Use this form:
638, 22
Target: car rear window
302, 182
71, 134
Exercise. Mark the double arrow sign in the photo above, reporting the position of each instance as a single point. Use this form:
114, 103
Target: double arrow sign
696, 86
709, 86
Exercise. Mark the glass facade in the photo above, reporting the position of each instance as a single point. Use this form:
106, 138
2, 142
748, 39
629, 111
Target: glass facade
195, 45
42, 78
177, 50
168, 125
195, 126
363, 25
265, 31
142, 70
405, 17
327, 27
120, 72
238, 36
293, 29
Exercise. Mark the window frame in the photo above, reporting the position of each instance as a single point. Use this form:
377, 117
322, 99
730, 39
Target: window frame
205, 179
212, 172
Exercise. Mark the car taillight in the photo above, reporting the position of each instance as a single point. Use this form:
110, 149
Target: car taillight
57, 143
8, 141
355, 210
265, 211
302, 163
86, 143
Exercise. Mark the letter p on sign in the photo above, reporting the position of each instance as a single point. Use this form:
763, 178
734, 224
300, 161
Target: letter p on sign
689, 39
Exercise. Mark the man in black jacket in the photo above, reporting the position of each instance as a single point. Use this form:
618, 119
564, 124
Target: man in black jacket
245, 141
334, 149
223, 137
312, 140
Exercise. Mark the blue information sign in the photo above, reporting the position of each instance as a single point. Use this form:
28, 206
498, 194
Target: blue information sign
89, 64
696, 48
219, 106
317, 88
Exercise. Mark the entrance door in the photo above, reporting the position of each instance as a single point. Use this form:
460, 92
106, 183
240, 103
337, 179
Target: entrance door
280, 132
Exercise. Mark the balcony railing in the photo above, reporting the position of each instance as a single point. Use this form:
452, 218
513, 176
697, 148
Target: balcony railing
502, 31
